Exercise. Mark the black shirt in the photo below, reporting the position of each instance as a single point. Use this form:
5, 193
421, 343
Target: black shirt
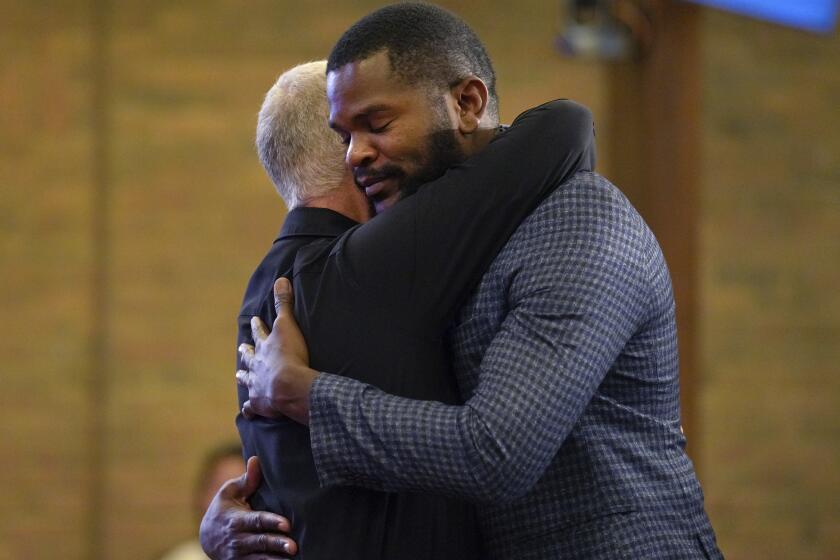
377, 298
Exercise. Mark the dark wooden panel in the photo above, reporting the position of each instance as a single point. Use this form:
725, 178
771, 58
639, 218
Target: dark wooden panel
654, 147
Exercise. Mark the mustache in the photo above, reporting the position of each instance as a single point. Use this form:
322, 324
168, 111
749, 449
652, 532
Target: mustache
366, 174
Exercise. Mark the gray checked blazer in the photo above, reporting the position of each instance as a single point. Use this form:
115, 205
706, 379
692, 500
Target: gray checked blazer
569, 441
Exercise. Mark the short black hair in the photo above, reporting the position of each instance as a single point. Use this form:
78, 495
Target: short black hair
425, 44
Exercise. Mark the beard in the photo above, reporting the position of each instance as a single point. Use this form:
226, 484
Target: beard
443, 151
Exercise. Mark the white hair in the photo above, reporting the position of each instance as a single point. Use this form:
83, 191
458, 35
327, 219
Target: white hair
301, 155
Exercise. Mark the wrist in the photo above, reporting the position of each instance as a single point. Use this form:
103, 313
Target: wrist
295, 403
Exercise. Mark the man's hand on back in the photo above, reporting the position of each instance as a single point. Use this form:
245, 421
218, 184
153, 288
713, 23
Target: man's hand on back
277, 372
231, 530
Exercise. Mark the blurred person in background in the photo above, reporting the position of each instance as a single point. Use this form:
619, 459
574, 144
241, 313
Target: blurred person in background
219, 465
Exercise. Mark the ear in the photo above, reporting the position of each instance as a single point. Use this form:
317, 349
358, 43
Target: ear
471, 97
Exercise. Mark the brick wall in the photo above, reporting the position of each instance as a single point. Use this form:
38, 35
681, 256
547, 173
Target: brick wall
770, 277
188, 212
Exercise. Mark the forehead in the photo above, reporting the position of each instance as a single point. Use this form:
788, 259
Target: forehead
357, 87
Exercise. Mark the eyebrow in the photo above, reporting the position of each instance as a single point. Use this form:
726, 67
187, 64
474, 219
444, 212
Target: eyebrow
373, 109
362, 114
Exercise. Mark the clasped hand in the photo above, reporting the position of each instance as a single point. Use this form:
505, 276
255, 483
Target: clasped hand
231, 530
275, 370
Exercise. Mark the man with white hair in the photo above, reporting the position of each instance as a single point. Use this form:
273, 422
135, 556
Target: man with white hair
301, 155
378, 294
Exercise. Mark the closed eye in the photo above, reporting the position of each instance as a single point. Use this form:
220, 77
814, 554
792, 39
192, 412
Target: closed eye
381, 129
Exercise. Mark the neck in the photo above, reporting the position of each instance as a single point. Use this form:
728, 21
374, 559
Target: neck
484, 135
347, 201
478, 140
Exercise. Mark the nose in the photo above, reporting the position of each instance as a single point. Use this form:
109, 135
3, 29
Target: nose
360, 152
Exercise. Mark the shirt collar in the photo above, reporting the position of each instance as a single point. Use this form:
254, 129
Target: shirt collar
314, 222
